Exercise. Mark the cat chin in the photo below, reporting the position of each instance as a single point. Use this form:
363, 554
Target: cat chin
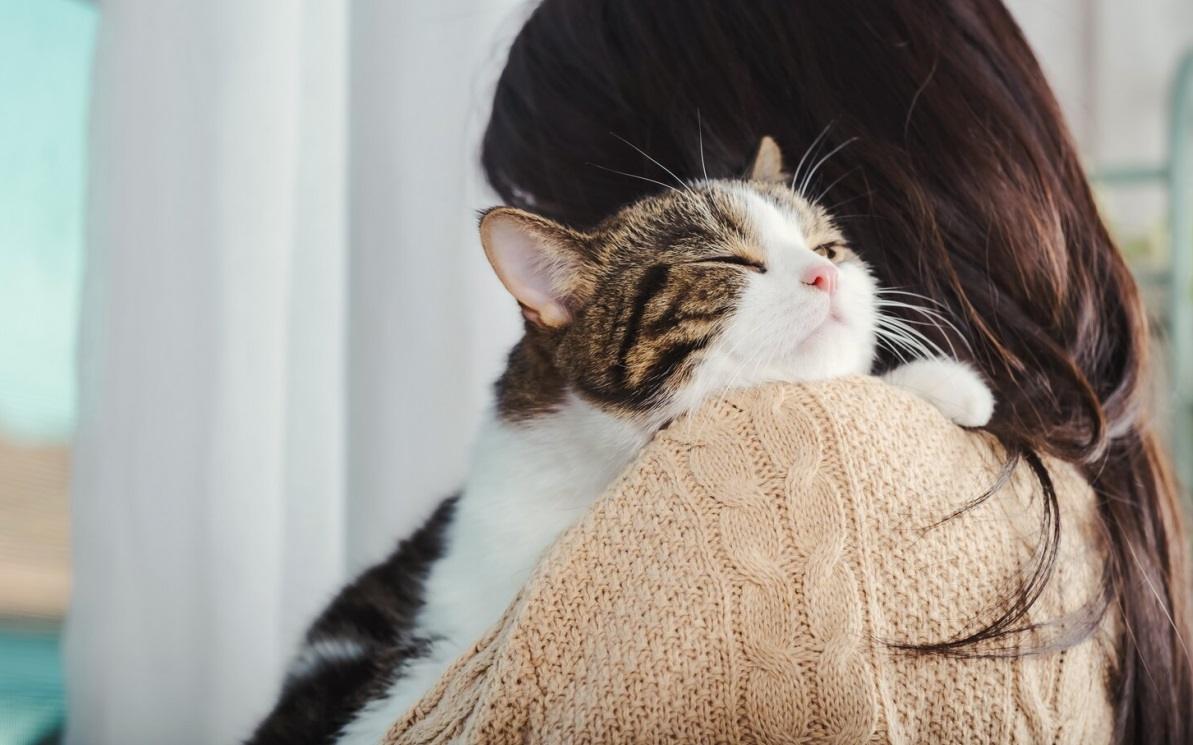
845, 350
834, 331
836, 349
822, 361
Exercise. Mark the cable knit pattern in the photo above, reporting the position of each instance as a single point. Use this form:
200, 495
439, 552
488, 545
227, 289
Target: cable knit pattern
743, 580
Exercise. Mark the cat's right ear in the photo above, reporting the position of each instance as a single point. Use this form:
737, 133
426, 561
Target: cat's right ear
539, 261
768, 162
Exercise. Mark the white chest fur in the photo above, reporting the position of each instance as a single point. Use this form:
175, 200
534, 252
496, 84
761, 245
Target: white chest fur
528, 483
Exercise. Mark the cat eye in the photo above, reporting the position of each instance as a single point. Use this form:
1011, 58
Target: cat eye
735, 260
834, 252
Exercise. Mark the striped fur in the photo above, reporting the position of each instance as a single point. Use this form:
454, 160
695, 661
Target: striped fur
359, 644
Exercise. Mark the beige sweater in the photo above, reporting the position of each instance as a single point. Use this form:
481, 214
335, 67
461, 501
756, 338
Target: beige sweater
741, 581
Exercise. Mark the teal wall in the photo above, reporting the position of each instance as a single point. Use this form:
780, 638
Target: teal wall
31, 696
45, 62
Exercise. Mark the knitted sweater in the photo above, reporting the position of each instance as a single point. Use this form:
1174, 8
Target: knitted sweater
747, 577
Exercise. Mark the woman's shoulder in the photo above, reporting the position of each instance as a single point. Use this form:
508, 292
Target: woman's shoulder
894, 454
902, 527
911, 502
756, 569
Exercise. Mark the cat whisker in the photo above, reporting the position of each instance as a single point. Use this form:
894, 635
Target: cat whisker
898, 348
928, 312
937, 313
892, 320
803, 188
898, 334
700, 135
893, 350
893, 344
843, 202
911, 336
824, 192
926, 324
644, 154
807, 152
634, 175
935, 318
898, 325
908, 293
938, 324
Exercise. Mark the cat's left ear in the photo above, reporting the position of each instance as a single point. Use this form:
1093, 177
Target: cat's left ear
768, 162
540, 262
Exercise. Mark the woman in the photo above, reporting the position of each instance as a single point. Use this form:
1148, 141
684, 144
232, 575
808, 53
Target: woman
945, 153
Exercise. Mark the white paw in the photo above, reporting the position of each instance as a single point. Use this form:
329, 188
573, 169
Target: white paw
953, 387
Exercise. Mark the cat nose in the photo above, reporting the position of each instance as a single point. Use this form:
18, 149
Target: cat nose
822, 277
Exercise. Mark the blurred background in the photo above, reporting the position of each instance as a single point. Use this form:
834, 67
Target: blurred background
246, 328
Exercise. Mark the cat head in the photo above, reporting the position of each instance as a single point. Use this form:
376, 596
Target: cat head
684, 294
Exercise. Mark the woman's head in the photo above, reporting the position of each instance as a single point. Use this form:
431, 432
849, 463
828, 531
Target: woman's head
954, 178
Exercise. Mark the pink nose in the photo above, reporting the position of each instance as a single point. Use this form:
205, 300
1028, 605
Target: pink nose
822, 277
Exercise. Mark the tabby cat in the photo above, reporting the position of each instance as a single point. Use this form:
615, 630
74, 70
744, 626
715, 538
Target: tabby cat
679, 297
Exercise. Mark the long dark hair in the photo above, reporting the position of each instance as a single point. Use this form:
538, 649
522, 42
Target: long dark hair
959, 182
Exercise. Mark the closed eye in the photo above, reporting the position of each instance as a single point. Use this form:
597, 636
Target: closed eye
735, 260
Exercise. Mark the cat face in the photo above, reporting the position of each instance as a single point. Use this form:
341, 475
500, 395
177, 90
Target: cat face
681, 296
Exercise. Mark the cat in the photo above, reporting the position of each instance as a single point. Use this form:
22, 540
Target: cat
677, 298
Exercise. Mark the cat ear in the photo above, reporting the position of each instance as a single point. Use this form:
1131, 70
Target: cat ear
540, 262
768, 162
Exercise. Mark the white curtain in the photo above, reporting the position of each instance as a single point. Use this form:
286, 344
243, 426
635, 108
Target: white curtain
289, 331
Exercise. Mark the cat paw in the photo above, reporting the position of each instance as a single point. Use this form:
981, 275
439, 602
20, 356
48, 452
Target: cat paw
953, 387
